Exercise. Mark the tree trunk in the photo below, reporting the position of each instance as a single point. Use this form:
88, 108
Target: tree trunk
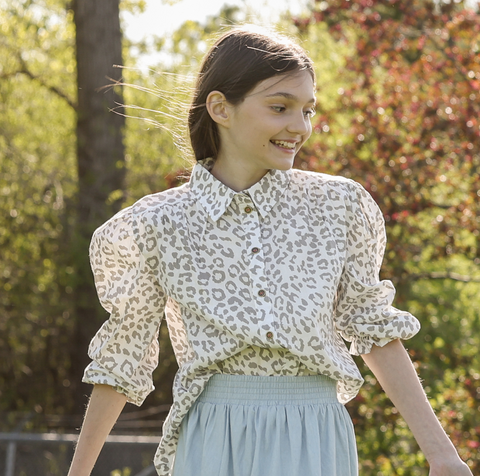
100, 159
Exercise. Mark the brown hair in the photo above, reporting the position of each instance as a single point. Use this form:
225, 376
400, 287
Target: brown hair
234, 65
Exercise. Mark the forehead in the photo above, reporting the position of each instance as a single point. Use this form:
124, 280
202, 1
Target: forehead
299, 83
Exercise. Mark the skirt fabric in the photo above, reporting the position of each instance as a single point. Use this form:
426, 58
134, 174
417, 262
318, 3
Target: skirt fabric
244, 425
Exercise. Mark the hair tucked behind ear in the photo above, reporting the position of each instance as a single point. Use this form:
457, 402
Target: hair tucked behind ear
235, 64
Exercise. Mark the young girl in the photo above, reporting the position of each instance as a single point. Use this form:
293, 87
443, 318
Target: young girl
262, 272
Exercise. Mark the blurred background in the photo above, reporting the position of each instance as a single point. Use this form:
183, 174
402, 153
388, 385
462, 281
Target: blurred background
398, 94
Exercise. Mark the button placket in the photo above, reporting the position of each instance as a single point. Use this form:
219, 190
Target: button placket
253, 246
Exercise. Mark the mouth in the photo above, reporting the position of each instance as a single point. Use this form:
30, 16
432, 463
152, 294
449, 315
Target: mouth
285, 145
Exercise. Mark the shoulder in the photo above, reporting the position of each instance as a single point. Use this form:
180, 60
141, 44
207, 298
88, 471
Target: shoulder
330, 186
338, 194
169, 201
149, 209
172, 198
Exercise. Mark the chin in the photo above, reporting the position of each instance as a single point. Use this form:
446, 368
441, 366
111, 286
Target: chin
283, 164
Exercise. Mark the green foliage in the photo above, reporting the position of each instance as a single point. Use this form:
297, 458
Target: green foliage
400, 115
37, 41
133, 6
123, 472
154, 131
37, 181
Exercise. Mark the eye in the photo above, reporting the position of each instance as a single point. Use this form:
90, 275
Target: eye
278, 108
310, 112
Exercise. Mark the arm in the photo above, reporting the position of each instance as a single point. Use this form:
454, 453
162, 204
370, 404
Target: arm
103, 410
392, 367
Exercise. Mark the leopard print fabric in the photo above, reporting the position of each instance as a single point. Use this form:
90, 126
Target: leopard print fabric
268, 281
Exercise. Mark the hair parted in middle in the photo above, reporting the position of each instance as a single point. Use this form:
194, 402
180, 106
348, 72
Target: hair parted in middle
234, 65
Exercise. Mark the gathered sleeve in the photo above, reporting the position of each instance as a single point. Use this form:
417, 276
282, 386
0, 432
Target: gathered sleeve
124, 351
364, 312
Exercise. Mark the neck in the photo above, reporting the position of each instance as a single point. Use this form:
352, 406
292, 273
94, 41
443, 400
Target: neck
235, 175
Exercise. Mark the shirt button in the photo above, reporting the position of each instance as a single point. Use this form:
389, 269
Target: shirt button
262, 293
269, 335
255, 250
248, 209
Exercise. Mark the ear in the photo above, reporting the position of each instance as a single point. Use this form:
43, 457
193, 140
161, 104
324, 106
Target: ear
217, 108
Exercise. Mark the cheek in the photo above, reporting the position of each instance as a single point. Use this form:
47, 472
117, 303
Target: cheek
258, 136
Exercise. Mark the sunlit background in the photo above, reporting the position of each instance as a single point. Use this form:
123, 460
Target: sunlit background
398, 92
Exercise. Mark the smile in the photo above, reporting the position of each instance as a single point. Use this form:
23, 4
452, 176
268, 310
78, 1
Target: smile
284, 144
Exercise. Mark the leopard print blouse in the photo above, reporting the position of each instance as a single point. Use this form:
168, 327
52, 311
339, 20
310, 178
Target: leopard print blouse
269, 281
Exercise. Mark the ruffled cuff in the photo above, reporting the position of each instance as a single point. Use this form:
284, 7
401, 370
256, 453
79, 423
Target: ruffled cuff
96, 374
363, 345
365, 315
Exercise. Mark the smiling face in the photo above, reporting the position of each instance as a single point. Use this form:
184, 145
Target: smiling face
264, 131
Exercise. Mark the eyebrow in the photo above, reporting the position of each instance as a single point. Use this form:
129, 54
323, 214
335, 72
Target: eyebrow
289, 96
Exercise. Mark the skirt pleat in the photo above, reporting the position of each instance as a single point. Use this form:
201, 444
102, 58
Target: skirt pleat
244, 425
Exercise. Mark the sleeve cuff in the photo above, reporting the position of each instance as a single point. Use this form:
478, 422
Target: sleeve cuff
363, 345
96, 374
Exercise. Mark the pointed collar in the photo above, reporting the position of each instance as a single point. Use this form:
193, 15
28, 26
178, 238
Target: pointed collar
216, 197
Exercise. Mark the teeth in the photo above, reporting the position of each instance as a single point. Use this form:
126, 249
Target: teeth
282, 143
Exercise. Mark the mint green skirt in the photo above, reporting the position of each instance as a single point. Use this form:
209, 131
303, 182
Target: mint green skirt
244, 425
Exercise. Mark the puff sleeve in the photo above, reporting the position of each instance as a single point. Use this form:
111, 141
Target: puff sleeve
364, 314
125, 349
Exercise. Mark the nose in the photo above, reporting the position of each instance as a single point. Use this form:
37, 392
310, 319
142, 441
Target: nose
300, 124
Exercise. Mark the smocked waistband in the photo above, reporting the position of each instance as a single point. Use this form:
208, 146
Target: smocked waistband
265, 390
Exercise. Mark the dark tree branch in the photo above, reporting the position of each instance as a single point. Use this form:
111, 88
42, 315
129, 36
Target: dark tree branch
440, 205
52, 89
9, 75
